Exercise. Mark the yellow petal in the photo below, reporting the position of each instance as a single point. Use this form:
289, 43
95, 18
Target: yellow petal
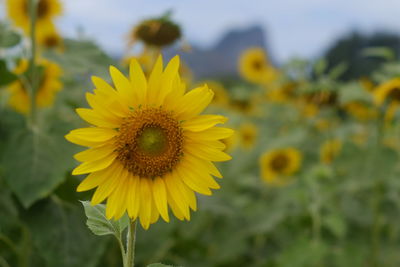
191, 181
167, 79
203, 122
97, 165
207, 153
133, 196
138, 80
176, 195
215, 133
117, 201
95, 153
93, 180
94, 134
154, 81
145, 203
174, 207
96, 119
194, 102
160, 198
123, 86
106, 188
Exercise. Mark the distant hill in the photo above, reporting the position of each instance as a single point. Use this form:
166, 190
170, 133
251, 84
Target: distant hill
221, 59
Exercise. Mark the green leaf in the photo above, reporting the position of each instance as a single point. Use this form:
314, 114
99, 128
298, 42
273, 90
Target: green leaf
8, 37
60, 237
6, 76
380, 52
99, 224
34, 165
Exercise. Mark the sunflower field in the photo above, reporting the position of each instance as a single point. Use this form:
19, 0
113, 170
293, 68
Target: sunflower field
110, 161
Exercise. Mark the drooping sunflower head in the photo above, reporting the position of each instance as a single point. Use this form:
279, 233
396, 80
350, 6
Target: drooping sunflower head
48, 85
158, 32
255, 67
388, 92
149, 148
248, 133
330, 150
278, 165
18, 11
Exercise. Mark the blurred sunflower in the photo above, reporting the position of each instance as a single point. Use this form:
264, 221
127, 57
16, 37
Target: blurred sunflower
156, 32
149, 147
388, 94
360, 110
48, 85
248, 133
367, 84
49, 37
330, 150
18, 11
255, 67
278, 165
282, 94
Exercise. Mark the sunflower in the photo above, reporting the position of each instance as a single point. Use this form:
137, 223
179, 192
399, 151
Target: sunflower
48, 86
149, 147
360, 110
388, 93
278, 165
156, 32
248, 133
282, 94
231, 142
255, 67
18, 11
49, 37
330, 150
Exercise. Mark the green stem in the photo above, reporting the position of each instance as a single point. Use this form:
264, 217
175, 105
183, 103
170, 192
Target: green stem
32, 62
377, 196
130, 245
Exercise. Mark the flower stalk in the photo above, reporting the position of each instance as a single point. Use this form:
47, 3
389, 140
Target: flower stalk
32, 61
129, 260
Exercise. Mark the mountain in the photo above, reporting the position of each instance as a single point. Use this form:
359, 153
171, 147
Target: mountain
221, 59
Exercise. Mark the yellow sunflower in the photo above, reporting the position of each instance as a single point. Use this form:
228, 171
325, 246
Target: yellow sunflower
255, 67
330, 150
149, 147
361, 111
248, 133
18, 11
48, 85
231, 142
278, 165
49, 37
388, 93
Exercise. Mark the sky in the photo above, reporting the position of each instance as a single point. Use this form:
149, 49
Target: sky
301, 28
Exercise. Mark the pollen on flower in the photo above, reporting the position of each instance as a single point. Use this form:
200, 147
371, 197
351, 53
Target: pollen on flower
150, 142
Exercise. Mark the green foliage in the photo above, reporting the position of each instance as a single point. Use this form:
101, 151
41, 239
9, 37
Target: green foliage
8, 37
100, 225
6, 76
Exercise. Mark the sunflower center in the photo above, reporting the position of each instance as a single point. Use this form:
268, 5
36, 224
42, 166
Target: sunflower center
279, 162
42, 8
150, 142
51, 41
395, 94
257, 65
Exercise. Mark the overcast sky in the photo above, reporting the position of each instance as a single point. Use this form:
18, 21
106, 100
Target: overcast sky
294, 27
